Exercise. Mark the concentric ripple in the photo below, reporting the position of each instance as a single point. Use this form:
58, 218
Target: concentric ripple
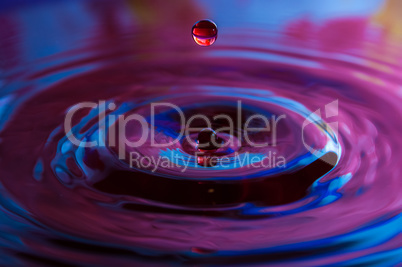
334, 197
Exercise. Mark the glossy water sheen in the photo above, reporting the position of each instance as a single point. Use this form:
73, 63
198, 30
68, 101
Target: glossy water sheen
205, 32
64, 204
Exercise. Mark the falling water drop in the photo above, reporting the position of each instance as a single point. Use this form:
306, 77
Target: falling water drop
205, 32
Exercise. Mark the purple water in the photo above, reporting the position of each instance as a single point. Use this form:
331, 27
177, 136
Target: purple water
329, 195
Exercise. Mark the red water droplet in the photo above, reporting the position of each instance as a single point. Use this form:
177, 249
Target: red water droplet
207, 161
205, 32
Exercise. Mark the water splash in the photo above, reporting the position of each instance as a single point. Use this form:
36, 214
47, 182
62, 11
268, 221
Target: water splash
334, 197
